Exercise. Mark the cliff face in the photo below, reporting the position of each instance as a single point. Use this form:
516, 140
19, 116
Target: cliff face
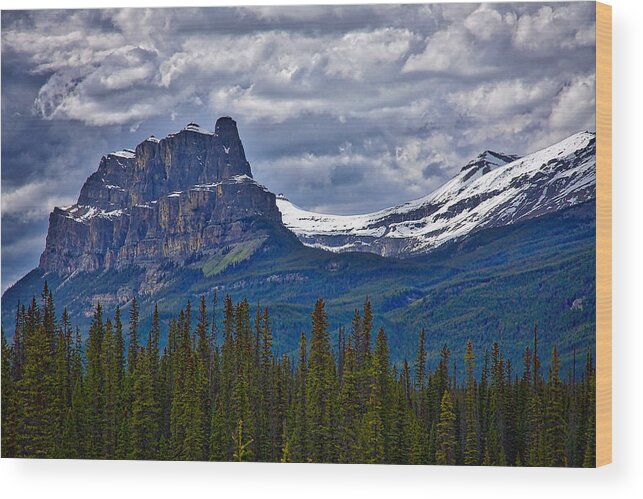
188, 194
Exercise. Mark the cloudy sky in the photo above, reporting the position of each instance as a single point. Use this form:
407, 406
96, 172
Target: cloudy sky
345, 109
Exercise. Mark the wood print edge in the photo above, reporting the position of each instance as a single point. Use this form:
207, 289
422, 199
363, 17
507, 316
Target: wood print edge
603, 234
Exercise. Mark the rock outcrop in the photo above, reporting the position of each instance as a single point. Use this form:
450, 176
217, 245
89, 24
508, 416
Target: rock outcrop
188, 194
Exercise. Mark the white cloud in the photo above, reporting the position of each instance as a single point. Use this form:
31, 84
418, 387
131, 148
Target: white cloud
250, 104
365, 176
449, 51
135, 82
359, 54
294, 12
455, 12
566, 26
485, 23
33, 201
59, 87
575, 104
496, 100
486, 41
434, 89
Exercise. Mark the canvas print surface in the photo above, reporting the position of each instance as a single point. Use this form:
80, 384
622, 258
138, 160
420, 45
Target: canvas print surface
347, 234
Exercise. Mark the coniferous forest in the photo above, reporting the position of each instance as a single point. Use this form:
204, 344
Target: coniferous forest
218, 392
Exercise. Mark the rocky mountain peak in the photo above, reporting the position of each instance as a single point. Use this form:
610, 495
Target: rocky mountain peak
485, 162
226, 127
169, 198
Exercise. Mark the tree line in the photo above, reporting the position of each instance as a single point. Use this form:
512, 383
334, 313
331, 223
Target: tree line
218, 392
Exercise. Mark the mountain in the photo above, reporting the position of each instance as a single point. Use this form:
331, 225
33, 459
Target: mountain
179, 217
490, 286
168, 200
492, 190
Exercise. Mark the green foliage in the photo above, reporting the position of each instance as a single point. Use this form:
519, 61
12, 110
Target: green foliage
232, 256
241, 444
36, 428
446, 442
196, 400
9, 403
471, 448
321, 391
143, 432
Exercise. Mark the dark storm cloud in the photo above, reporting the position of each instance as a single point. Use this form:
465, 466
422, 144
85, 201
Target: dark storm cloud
343, 108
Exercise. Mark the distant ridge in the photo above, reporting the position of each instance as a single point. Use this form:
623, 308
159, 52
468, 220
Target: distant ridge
492, 190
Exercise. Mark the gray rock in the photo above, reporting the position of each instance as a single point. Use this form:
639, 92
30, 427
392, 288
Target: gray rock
188, 194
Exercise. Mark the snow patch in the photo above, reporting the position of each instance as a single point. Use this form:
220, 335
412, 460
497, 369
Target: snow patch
124, 153
566, 173
195, 127
83, 214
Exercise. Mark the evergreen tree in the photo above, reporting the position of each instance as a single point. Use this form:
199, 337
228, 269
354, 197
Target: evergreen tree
143, 428
537, 451
371, 435
239, 402
10, 416
555, 415
589, 457
112, 391
204, 372
242, 442
297, 428
242, 436
398, 439
349, 406
61, 379
36, 429
446, 441
79, 427
154, 370
186, 419
364, 349
321, 387
96, 384
471, 450
219, 444
119, 347
133, 347
341, 352
381, 389
18, 348
267, 434
417, 437
420, 363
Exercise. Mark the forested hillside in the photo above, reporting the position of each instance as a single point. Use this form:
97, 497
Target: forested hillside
217, 391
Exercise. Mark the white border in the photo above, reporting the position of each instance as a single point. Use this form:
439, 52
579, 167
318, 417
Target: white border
116, 480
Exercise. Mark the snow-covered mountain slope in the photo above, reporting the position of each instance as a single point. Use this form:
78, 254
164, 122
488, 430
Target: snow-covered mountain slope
492, 190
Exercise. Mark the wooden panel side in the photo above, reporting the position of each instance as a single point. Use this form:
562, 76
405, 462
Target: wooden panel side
603, 234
